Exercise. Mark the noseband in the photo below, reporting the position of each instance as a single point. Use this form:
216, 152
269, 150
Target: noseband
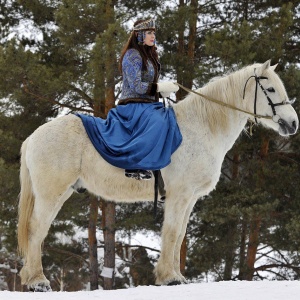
257, 80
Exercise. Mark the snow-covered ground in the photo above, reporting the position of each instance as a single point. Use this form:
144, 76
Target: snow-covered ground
231, 290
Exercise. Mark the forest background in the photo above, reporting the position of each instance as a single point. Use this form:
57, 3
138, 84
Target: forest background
61, 56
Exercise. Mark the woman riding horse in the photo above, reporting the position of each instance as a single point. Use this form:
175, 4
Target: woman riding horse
140, 134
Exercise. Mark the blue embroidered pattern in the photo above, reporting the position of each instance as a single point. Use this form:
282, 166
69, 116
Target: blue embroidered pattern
136, 83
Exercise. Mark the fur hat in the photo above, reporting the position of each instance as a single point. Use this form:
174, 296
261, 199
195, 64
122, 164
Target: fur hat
145, 25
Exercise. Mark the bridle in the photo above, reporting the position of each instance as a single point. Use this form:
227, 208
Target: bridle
257, 80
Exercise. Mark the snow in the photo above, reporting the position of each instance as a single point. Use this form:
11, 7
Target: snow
231, 290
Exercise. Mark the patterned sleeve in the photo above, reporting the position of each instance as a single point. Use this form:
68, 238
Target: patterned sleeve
132, 69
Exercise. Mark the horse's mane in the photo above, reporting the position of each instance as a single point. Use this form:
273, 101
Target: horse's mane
227, 88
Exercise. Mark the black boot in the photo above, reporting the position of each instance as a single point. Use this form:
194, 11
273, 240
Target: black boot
138, 174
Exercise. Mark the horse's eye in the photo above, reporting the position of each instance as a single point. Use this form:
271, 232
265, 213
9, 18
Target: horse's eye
271, 90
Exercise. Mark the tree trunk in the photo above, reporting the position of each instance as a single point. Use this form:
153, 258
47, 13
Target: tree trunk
93, 257
252, 247
180, 56
247, 271
230, 250
242, 269
232, 227
108, 223
109, 208
192, 43
264, 148
186, 58
256, 222
186, 81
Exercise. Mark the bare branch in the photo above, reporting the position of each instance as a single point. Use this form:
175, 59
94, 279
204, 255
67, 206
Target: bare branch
270, 266
39, 97
88, 99
66, 252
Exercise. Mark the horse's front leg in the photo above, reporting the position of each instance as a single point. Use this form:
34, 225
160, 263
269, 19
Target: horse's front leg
181, 237
167, 269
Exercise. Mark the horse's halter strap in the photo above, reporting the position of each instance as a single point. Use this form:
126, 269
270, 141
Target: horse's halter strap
257, 80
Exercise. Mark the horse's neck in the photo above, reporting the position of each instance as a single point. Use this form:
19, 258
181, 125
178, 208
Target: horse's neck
192, 119
194, 130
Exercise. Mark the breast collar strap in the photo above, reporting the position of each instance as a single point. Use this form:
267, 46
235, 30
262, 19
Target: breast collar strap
257, 80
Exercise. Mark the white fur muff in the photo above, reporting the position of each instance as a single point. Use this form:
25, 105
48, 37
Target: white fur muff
166, 88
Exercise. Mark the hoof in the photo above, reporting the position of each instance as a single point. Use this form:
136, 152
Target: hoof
175, 282
40, 287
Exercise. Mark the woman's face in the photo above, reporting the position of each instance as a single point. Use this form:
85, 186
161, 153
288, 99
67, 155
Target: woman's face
149, 38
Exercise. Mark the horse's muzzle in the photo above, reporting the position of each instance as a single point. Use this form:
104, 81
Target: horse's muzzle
287, 129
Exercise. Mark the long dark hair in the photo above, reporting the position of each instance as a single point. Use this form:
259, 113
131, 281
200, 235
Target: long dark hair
146, 52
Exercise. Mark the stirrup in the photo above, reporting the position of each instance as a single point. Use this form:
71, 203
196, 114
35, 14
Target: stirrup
145, 174
138, 174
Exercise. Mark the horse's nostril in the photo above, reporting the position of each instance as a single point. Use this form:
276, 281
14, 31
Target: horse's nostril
294, 124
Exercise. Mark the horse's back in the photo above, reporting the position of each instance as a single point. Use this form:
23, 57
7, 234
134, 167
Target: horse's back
59, 129
54, 150
60, 153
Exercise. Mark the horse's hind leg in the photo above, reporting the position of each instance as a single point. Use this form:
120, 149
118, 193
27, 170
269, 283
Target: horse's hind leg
44, 212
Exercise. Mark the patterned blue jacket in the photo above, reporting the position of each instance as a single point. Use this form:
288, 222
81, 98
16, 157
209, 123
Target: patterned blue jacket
138, 85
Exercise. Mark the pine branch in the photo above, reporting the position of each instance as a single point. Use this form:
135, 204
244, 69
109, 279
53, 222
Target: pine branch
270, 266
259, 276
88, 99
288, 156
264, 254
66, 252
225, 175
139, 246
271, 258
273, 272
135, 246
284, 144
282, 256
41, 98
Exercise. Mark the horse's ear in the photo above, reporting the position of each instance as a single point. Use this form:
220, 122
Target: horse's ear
263, 67
273, 67
266, 65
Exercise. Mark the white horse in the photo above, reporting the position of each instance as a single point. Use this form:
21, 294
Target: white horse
59, 156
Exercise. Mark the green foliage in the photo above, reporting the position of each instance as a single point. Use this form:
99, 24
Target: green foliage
232, 41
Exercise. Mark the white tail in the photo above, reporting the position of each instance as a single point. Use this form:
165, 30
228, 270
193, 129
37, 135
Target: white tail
26, 203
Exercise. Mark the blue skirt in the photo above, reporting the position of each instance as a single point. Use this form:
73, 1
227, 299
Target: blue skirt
135, 136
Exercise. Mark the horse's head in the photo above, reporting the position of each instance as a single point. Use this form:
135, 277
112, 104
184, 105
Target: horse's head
269, 98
